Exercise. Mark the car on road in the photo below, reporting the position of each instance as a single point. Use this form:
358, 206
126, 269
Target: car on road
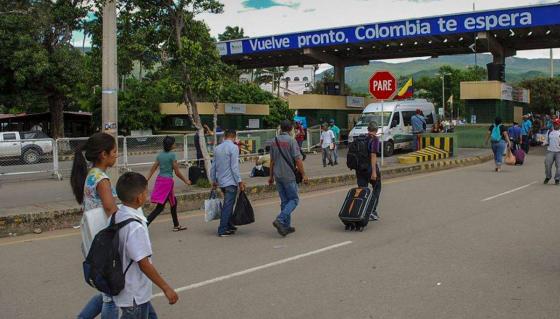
396, 118
29, 147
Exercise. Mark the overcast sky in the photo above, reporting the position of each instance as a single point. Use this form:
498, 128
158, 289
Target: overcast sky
269, 17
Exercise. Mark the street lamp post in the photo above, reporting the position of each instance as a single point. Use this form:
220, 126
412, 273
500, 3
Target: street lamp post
442, 77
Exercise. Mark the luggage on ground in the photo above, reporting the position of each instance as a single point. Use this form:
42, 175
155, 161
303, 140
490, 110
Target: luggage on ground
103, 265
243, 213
357, 207
519, 156
509, 158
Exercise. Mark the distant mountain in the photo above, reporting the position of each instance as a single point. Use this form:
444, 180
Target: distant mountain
517, 69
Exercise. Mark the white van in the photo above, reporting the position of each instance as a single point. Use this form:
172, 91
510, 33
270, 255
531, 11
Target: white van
397, 130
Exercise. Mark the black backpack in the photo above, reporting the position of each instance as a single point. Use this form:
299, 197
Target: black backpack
358, 157
103, 265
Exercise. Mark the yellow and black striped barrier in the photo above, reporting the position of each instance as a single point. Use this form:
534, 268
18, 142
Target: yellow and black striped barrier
429, 153
444, 143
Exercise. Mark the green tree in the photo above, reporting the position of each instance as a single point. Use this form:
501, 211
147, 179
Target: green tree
232, 33
37, 61
431, 87
545, 94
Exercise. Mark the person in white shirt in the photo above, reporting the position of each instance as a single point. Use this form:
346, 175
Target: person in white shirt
553, 153
327, 144
136, 250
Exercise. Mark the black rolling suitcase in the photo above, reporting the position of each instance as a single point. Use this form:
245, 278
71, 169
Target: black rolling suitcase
357, 207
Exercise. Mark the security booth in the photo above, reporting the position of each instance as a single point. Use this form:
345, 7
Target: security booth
230, 115
318, 109
485, 100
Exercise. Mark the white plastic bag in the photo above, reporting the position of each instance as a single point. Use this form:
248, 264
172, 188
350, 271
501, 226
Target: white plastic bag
212, 207
93, 221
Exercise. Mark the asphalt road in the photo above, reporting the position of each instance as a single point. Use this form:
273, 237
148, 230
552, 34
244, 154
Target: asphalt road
465, 243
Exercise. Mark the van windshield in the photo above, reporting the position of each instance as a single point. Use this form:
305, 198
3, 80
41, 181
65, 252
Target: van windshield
366, 118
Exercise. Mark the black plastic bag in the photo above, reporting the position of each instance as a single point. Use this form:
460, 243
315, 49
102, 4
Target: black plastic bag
243, 213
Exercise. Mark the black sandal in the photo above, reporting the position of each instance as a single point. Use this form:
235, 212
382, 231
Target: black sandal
179, 228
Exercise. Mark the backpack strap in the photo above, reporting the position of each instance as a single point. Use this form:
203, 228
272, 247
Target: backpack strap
291, 165
121, 225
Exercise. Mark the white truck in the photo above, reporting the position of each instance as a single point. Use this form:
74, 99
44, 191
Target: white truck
28, 147
396, 129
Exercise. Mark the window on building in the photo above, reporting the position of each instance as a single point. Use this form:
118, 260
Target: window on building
305, 79
296, 79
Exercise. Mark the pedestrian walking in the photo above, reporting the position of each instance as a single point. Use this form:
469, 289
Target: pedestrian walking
286, 166
225, 174
327, 144
553, 153
418, 123
92, 189
526, 131
163, 191
498, 135
300, 136
373, 173
135, 250
514, 133
336, 131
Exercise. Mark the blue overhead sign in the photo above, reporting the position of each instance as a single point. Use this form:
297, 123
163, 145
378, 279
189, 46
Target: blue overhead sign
514, 18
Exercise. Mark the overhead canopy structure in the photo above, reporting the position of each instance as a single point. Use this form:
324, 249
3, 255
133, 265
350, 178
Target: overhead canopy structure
500, 32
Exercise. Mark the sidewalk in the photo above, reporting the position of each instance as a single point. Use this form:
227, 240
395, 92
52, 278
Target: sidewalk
49, 204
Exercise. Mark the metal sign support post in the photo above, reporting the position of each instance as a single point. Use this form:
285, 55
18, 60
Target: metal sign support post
382, 133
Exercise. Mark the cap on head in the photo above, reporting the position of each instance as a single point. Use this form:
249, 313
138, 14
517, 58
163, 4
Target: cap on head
556, 122
372, 127
331, 121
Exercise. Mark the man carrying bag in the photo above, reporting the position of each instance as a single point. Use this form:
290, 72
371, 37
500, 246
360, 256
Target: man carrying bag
286, 168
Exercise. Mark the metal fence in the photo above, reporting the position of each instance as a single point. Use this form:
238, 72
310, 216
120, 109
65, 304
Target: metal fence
28, 156
45, 158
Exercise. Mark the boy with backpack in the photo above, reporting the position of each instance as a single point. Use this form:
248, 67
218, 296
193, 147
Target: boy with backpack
135, 251
362, 157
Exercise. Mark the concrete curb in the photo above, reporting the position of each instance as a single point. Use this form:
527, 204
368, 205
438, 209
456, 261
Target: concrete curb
66, 218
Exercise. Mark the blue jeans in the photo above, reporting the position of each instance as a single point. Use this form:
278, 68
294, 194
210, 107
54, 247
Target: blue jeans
499, 148
289, 199
525, 143
230, 194
335, 153
96, 306
136, 311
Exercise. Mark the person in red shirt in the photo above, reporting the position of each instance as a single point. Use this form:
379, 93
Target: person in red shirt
300, 137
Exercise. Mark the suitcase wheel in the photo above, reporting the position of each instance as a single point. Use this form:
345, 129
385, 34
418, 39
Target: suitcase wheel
347, 227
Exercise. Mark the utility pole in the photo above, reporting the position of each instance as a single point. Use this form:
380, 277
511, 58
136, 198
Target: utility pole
109, 97
551, 64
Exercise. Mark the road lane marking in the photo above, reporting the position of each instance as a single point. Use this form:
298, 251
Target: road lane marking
260, 203
255, 269
508, 192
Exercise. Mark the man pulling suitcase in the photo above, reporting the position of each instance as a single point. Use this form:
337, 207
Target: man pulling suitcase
361, 203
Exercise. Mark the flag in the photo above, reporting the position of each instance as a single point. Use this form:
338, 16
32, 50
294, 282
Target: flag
407, 91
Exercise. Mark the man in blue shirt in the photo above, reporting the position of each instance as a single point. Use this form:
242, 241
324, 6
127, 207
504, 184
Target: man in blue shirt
418, 127
526, 128
514, 133
225, 174
336, 130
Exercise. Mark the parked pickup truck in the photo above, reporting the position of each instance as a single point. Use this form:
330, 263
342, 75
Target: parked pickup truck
29, 147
